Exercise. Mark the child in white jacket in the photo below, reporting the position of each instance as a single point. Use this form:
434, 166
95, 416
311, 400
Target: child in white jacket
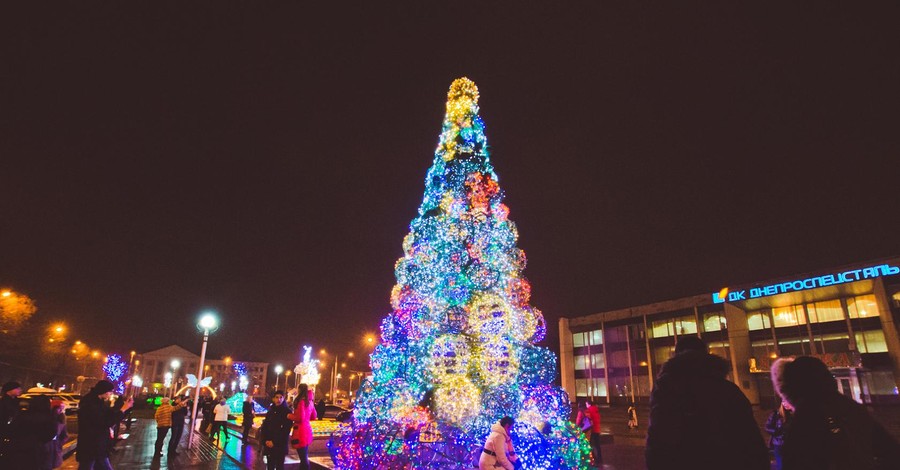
498, 451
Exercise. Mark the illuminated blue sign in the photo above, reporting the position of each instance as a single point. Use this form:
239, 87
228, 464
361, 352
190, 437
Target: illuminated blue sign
808, 283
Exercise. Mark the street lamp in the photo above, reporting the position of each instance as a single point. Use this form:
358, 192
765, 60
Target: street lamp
337, 379
208, 323
278, 370
350, 386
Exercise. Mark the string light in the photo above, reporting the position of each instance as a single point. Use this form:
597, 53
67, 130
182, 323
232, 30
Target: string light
458, 348
114, 368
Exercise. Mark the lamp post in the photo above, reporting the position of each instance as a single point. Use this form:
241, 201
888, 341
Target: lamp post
208, 323
350, 386
278, 370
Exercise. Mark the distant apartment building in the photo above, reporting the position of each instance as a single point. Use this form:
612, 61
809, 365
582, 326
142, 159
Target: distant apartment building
153, 367
846, 316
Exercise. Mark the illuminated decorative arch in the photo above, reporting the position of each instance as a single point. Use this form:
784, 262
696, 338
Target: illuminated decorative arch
211, 390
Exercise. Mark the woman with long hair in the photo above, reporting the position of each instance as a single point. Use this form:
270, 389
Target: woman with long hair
302, 435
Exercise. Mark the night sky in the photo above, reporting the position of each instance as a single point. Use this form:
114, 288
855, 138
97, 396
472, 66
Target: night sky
265, 163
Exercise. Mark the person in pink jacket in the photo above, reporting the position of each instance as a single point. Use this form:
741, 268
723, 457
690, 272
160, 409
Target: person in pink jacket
302, 434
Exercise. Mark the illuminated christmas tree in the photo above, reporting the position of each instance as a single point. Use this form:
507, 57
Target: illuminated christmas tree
458, 350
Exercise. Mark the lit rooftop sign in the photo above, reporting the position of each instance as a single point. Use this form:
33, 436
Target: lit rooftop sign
842, 277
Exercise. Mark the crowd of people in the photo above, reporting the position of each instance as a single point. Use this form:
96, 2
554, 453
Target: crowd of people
701, 420
32, 438
698, 420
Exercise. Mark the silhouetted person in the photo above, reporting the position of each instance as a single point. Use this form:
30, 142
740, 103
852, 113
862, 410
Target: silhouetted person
95, 417
248, 415
32, 434
698, 419
9, 409
179, 413
320, 408
276, 429
829, 430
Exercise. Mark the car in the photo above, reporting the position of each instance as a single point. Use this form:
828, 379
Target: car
337, 413
71, 400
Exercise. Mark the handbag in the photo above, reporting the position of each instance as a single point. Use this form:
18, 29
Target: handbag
586, 424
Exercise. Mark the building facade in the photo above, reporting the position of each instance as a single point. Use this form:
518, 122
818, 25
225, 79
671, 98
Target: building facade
846, 316
177, 362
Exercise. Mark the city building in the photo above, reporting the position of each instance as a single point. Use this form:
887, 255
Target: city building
153, 367
846, 316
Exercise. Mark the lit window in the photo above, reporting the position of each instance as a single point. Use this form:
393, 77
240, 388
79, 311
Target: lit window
597, 361
788, 316
714, 321
758, 321
862, 306
871, 341
580, 363
662, 328
581, 386
821, 312
578, 340
596, 337
686, 325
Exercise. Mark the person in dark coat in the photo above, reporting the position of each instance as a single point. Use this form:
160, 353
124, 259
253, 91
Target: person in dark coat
32, 433
276, 429
9, 409
95, 418
699, 419
829, 430
178, 416
247, 415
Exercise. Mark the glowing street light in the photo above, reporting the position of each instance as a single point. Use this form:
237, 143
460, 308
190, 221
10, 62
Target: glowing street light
207, 324
278, 370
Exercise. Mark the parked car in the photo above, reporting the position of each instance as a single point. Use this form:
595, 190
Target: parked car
71, 400
337, 413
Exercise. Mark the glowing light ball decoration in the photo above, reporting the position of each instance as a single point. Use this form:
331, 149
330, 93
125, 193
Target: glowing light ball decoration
458, 348
449, 357
114, 369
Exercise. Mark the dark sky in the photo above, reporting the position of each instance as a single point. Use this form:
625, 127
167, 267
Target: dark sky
266, 163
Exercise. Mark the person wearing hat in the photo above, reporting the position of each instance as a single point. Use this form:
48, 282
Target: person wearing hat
9, 409
698, 418
95, 417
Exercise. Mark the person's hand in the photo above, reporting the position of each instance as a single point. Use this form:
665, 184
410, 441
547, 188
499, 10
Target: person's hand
129, 402
270, 444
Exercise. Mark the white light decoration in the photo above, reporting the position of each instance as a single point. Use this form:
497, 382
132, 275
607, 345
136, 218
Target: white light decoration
308, 370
